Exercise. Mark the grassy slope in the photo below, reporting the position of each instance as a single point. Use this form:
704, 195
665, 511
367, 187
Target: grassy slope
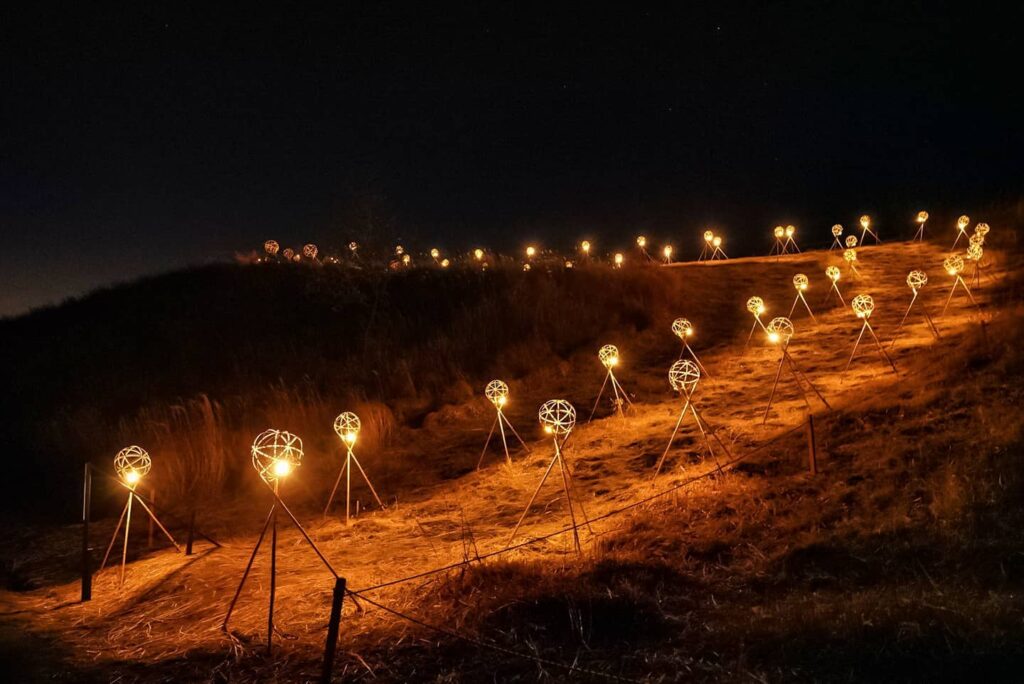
901, 560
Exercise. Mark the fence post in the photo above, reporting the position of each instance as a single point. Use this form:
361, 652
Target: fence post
812, 450
191, 533
86, 514
332, 630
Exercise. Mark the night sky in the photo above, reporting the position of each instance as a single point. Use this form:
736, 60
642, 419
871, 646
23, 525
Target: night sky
144, 139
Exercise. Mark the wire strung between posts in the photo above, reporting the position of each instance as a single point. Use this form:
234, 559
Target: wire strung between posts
566, 530
491, 645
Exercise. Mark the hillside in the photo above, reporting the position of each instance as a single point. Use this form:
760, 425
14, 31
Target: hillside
901, 559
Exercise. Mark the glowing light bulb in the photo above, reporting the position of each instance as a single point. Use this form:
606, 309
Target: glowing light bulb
568, 263
667, 251
406, 259
708, 236
717, 241
963, 221
865, 221
779, 231
922, 216
790, 230
479, 254
132, 477
445, 263
641, 241
618, 259
435, 252
526, 267
585, 246
282, 468
530, 251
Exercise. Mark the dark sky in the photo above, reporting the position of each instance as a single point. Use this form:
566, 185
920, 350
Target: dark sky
145, 138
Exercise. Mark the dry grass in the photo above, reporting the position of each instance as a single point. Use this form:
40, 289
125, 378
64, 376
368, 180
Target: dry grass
762, 573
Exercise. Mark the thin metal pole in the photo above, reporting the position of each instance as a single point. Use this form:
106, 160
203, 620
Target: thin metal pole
163, 529
899, 327
113, 539
568, 498
127, 529
812, 454
804, 300
671, 439
532, 498
302, 530
509, 424
771, 397
881, 349
191, 533
810, 384
248, 567
856, 344
368, 483
348, 485
334, 490
707, 442
273, 575
86, 552
598, 400
488, 442
703, 370
504, 443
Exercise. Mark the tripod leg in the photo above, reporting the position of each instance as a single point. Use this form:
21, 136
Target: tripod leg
707, 442
771, 397
622, 391
796, 378
598, 400
950, 297
509, 424
158, 523
714, 433
751, 335
504, 443
579, 502
855, 345
793, 308
881, 349
804, 300
969, 295
568, 501
903, 320
368, 483
533, 498
337, 482
117, 529
671, 439
931, 323
703, 370
487, 443
809, 383
840, 295
127, 529
618, 399
348, 486
248, 567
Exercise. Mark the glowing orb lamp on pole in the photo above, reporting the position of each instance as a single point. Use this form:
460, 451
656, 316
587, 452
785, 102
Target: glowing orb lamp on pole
276, 455
850, 255
347, 426
271, 248
961, 230
496, 392
916, 280
777, 248
683, 329
131, 464
800, 284
865, 225
954, 266
718, 252
666, 252
834, 274
641, 244
779, 332
608, 355
755, 305
837, 231
705, 250
683, 376
921, 218
863, 306
558, 418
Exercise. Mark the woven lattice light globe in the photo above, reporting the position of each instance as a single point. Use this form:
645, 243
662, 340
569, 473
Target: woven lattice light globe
275, 454
619, 258
568, 263
981, 229
557, 416
667, 251
850, 255
953, 265
288, 253
271, 247
790, 231
496, 393
865, 221
833, 273
478, 253
851, 241
922, 216
310, 251
800, 282
863, 305
609, 355
708, 236
641, 241
682, 328
837, 230
131, 464
684, 376
755, 305
435, 252
975, 251
526, 267
347, 425
976, 239
779, 329
779, 231
445, 263
917, 279
399, 250
963, 221
717, 241
585, 246
353, 246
